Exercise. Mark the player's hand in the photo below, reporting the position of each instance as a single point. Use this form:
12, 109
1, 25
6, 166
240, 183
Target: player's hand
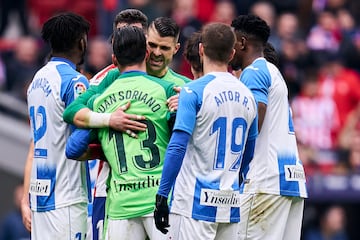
26, 213
161, 214
173, 101
128, 123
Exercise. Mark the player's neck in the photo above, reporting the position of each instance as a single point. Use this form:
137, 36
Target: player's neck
212, 66
135, 67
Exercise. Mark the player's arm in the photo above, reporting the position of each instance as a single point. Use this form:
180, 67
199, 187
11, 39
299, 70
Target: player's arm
82, 116
81, 146
25, 205
259, 85
249, 147
173, 160
261, 114
184, 125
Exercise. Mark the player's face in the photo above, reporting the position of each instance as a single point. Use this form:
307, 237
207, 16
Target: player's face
83, 44
161, 51
237, 61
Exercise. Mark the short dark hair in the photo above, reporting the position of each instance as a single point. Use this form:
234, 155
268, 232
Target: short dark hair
252, 26
218, 40
129, 45
191, 51
64, 30
166, 27
131, 16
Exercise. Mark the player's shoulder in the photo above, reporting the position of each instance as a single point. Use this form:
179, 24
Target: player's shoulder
98, 77
178, 76
160, 81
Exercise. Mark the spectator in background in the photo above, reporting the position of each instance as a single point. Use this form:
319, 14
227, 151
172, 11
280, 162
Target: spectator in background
12, 227
224, 12
315, 120
184, 14
191, 54
10, 6
98, 56
350, 45
106, 12
151, 8
331, 226
349, 140
2, 74
21, 65
325, 35
266, 10
341, 84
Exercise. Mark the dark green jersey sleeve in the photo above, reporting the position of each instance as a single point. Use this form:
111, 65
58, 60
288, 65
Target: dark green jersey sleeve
82, 101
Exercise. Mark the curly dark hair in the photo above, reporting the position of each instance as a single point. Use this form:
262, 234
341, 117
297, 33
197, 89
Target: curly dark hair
252, 27
64, 30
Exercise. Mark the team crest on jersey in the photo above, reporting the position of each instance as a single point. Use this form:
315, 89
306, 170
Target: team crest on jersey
79, 88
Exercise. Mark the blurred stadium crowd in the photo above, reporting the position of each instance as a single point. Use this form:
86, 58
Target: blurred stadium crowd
317, 41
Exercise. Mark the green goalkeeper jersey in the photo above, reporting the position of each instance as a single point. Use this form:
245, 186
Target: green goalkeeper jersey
136, 164
100, 86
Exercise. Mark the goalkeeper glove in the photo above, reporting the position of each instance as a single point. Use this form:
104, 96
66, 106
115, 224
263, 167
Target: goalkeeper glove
161, 214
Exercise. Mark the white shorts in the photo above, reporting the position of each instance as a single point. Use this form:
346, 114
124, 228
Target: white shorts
270, 217
184, 228
63, 223
134, 229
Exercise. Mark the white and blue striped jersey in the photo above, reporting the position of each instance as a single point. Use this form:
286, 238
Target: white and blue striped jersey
276, 167
55, 180
219, 113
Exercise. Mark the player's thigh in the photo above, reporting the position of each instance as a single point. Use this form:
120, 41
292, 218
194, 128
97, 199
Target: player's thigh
63, 223
152, 232
294, 220
98, 217
184, 228
125, 229
227, 231
263, 216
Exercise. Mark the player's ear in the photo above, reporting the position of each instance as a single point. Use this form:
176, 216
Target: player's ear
82, 44
201, 50
232, 54
147, 54
177, 47
242, 43
114, 60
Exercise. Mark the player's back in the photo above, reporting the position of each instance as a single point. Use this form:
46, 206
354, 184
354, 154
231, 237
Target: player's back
225, 110
276, 167
136, 164
55, 180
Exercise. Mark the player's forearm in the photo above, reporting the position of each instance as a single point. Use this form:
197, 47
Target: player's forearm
173, 160
27, 169
261, 114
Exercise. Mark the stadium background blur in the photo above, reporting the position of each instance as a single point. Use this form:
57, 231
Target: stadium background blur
318, 44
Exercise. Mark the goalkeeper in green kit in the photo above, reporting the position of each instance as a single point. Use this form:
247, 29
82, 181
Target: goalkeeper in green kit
136, 163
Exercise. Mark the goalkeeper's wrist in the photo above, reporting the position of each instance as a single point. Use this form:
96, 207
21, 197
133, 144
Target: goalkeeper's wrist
98, 120
161, 200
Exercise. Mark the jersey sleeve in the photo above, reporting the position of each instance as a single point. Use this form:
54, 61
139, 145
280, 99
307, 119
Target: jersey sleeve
187, 110
76, 86
82, 101
257, 82
78, 142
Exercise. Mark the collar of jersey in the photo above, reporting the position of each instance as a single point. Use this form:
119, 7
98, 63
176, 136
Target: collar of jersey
133, 71
60, 59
